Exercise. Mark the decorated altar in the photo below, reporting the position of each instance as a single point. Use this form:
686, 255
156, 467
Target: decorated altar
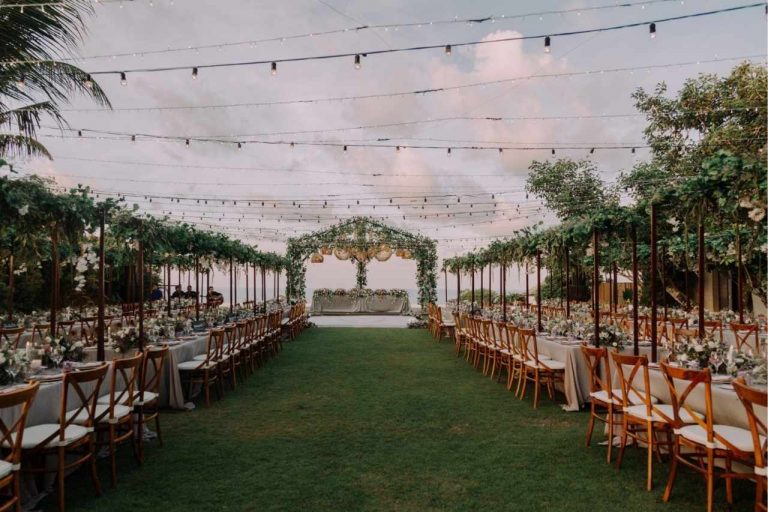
359, 301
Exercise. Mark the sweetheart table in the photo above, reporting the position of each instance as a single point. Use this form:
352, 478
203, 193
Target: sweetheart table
386, 304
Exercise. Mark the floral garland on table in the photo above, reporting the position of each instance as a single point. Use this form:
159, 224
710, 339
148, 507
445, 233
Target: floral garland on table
701, 353
359, 293
613, 336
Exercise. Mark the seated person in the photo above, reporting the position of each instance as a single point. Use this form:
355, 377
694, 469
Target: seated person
190, 293
156, 293
214, 297
177, 293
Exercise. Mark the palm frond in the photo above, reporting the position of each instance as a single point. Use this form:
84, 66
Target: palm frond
21, 146
26, 120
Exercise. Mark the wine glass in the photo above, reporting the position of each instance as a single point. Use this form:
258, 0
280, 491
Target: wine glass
13, 369
56, 357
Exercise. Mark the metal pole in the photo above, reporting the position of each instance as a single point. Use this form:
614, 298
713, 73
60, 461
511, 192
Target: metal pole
527, 293
263, 290
234, 282
458, 288
445, 273
472, 282
168, 286
482, 302
663, 282
100, 319
538, 290
596, 284
654, 325
247, 294
254, 288
10, 287
615, 288
635, 334
277, 279
702, 277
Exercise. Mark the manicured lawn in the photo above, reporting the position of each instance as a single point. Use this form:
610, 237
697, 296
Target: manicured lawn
380, 419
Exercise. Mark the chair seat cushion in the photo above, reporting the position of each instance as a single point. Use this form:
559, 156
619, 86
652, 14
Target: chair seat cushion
33, 436
101, 409
5, 468
196, 365
602, 396
639, 411
738, 437
148, 397
546, 364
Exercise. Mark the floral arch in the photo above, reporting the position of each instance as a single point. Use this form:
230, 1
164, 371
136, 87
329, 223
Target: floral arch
360, 240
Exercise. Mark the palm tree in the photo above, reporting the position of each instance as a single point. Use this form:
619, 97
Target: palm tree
33, 83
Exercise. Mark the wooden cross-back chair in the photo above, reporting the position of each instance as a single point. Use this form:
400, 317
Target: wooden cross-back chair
605, 402
205, 371
114, 414
746, 337
752, 397
503, 355
714, 328
11, 438
39, 332
516, 360
72, 435
147, 403
702, 445
11, 336
227, 359
459, 334
643, 417
538, 370
65, 328
88, 329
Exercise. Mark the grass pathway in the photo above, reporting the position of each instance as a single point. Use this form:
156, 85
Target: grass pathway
379, 420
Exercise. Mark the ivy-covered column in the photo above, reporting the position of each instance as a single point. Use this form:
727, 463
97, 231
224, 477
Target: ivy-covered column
362, 274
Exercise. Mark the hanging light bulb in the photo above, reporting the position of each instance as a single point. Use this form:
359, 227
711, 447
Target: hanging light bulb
449, 151
447, 49
133, 138
547, 46
501, 150
194, 73
652, 30
633, 151
553, 151
79, 133
592, 151
274, 68
186, 142
345, 147
21, 82
88, 82
123, 79
239, 146
357, 61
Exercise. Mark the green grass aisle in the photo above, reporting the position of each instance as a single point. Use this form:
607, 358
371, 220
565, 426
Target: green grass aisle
379, 419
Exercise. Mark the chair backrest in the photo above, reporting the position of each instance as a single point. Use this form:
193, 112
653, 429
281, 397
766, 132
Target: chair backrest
512, 341
85, 386
125, 373
529, 349
683, 335
39, 332
242, 334
500, 334
597, 362
630, 391
65, 327
230, 335
12, 335
152, 370
215, 346
746, 337
12, 435
681, 383
714, 328
751, 398
88, 328
487, 333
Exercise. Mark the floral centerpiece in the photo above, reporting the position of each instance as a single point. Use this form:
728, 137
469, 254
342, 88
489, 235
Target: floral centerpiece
66, 348
124, 340
613, 336
559, 326
701, 353
12, 363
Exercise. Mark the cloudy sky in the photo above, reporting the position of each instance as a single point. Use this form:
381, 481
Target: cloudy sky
585, 104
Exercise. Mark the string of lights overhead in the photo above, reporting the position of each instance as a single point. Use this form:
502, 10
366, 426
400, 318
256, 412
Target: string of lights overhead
356, 29
423, 92
447, 47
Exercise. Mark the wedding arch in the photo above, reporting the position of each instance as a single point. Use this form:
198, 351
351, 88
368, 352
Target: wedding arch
360, 240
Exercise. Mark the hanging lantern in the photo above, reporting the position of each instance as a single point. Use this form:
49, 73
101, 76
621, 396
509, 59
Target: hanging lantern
326, 251
316, 258
361, 255
372, 250
341, 253
399, 253
406, 254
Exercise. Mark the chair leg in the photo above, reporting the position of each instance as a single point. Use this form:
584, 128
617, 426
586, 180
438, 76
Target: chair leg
17, 490
207, 391
60, 477
649, 456
157, 427
610, 431
94, 474
112, 454
536, 386
591, 424
710, 479
728, 481
622, 446
672, 473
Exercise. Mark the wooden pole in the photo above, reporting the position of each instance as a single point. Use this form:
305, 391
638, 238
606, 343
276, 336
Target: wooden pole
702, 277
527, 293
231, 305
654, 271
482, 301
538, 290
234, 282
635, 334
490, 285
247, 295
472, 282
504, 291
197, 288
54, 276
458, 288
663, 283
263, 289
596, 284
141, 289
168, 287
277, 280
10, 286
100, 355
254, 288
567, 283
445, 273
739, 275
615, 298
